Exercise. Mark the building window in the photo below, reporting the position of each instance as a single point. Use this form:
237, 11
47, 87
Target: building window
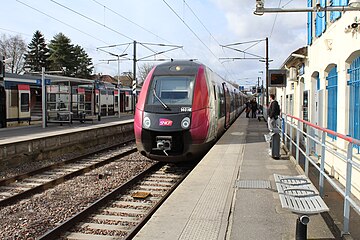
332, 100
320, 20
354, 85
318, 82
309, 24
335, 15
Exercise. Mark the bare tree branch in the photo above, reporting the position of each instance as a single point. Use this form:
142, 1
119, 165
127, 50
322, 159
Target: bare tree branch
13, 47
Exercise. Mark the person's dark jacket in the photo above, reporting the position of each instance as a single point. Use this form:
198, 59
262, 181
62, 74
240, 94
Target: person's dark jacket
274, 110
254, 106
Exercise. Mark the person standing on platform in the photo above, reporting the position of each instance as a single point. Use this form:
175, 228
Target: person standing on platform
273, 113
248, 108
254, 108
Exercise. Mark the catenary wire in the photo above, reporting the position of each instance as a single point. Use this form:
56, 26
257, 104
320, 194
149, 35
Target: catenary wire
84, 16
129, 20
212, 36
37, 10
195, 34
273, 26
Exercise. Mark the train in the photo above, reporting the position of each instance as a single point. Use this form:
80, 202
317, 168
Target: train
182, 110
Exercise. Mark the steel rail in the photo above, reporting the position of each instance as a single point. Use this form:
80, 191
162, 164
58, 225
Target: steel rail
80, 217
27, 193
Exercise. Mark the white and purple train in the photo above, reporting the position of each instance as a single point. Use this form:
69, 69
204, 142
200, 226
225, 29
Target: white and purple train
183, 108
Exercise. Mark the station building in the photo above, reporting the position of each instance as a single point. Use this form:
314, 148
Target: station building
323, 83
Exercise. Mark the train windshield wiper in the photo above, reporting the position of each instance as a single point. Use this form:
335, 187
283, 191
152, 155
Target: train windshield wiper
166, 107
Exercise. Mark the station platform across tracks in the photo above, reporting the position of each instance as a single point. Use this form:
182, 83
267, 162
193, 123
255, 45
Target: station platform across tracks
231, 194
22, 144
15, 133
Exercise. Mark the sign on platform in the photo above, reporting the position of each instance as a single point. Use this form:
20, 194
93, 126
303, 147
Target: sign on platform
47, 81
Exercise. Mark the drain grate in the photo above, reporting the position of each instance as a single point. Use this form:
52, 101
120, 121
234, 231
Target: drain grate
253, 184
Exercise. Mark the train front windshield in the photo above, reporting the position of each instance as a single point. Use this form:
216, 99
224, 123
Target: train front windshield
171, 90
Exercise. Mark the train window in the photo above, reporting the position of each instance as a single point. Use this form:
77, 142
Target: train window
176, 90
24, 102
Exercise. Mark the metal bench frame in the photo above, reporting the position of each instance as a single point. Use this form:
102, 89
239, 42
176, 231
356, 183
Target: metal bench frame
299, 195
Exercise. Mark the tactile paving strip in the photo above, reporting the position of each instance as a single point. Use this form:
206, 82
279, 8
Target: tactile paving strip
253, 184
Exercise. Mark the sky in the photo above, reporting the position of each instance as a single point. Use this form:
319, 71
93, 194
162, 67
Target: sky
199, 27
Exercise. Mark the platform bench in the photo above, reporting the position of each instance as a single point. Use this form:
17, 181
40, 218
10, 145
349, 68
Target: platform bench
298, 195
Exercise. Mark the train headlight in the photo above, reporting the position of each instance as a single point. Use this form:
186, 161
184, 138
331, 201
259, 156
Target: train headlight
146, 122
185, 123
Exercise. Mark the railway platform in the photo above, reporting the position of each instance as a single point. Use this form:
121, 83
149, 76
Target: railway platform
32, 142
6, 134
231, 194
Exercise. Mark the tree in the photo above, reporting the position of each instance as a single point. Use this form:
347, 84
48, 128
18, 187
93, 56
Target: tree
73, 60
37, 54
14, 48
61, 54
144, 70
84, 66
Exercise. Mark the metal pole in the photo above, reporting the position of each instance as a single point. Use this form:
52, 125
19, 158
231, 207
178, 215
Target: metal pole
267, 70
348, 189
308, 140
322, 164
258, 86
43, 100
118, 77
134, 78
298, 142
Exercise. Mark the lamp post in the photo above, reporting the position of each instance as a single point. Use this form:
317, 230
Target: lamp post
118, 56
43, 98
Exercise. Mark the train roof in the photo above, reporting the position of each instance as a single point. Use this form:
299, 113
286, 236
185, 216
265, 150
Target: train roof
186, 67
180, 63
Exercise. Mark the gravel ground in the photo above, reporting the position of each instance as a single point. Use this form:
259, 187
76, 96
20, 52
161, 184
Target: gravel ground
31, 218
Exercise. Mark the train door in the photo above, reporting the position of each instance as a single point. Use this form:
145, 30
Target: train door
116, 102
122, 101
110, 102
97, 102
103, 102
89, 101
2, 106
227, 106
24, 102
81, 100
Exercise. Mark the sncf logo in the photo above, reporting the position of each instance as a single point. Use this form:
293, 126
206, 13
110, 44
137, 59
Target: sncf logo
165, 122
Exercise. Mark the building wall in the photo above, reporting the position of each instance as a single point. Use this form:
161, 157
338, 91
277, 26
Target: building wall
337, 46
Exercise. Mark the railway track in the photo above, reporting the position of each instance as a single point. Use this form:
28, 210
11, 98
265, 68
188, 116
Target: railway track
25, 185
121, 213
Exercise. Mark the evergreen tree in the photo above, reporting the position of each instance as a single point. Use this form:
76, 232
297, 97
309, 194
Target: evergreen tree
37, 54
84, 66
61, 54
74, 59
